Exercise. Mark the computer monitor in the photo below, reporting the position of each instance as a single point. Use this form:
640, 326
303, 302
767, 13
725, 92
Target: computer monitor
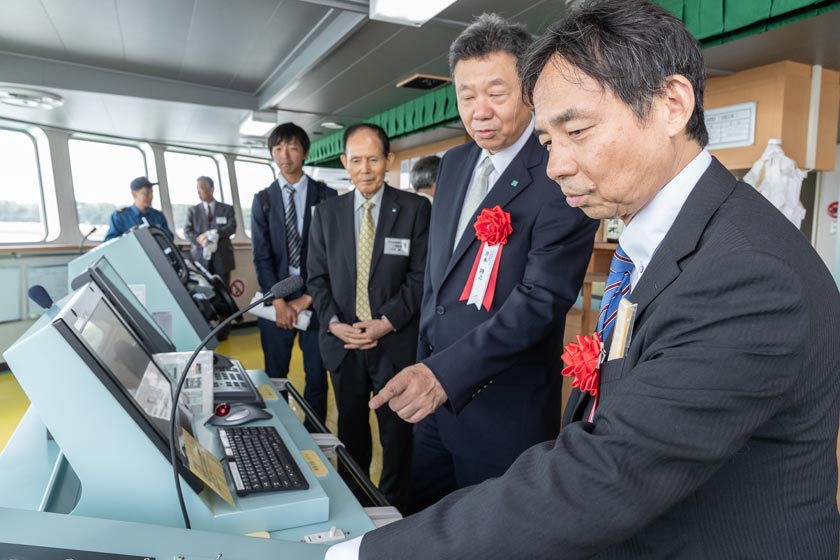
97, 333
127, 305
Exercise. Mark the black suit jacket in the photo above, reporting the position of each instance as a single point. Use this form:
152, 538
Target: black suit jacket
714, 436
222, 258
395, 283
518, 342
268, 234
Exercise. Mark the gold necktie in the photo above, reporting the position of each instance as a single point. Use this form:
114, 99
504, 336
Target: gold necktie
363, 255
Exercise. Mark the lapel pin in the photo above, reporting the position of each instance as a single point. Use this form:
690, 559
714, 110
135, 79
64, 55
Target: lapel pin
514, 183
393, 209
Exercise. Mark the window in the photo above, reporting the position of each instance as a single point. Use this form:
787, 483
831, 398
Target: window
251, 177
101, 176
21, 202
181, 172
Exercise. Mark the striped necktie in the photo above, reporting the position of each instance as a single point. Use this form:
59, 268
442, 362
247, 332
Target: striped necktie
364, 252
618, 286
292, 235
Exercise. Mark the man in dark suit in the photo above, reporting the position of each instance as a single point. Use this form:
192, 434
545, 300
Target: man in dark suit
714, 434
366, 258
211, 215
496, 366
280, 218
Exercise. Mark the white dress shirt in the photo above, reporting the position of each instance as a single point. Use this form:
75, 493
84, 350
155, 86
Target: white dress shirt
647, 229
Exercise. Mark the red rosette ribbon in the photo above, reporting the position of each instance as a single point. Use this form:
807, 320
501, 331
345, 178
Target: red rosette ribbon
492, 227
582, 359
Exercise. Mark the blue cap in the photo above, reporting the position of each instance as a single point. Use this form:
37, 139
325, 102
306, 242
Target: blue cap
141, 183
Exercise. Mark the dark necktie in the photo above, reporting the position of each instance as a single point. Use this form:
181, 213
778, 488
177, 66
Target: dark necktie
618, 286
292, 235
209, 214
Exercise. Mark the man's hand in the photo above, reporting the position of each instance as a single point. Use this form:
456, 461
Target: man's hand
286, 316
202, 239
413, 393
353, 337
301, 303
375, 328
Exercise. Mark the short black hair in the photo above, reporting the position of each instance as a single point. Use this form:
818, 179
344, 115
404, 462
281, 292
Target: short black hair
488, 34
380, 132
286, 132
207, 180
424, 172
629, 47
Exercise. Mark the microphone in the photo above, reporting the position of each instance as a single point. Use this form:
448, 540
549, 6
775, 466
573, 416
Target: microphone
85, 238
39, 295
281, 289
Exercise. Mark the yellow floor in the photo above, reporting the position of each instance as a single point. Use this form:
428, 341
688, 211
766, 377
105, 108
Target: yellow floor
13, 403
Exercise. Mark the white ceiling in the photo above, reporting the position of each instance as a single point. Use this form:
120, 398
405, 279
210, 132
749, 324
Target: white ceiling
186, 72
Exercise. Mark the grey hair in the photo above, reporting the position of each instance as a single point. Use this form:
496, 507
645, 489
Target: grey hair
629, 47
488, 34
207, 180
424, 172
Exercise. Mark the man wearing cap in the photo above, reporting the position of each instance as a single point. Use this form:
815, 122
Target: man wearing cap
138, 213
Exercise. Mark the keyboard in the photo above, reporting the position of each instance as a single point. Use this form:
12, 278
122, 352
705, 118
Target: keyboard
232, 385
259, 461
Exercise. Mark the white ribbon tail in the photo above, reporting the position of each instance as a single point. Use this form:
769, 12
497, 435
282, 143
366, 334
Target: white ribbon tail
489, 253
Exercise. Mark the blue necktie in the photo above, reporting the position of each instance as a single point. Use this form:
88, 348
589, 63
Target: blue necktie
618, 286
292, 235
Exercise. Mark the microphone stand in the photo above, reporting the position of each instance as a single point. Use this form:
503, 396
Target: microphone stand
278, 290
82, 244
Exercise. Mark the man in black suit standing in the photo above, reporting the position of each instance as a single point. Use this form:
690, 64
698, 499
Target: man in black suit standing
367, 253
202, 219
493, 358
711, 432
280, 218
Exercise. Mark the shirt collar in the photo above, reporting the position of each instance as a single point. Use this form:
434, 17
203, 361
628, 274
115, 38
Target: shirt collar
136, 211
502, 158
648, 228
359, 199
297, 187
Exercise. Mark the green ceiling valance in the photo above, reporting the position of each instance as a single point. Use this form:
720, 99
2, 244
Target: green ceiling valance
713, 22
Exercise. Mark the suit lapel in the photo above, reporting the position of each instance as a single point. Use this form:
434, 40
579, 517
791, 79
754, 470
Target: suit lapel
347, 229
462, 184
713, 188
388, 214
515, 179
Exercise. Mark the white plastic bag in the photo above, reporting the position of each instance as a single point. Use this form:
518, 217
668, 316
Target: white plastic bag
776, 177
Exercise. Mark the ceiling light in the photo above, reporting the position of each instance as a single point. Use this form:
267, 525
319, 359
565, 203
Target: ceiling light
258, 123
407, 13
30, 98
252, 142
332, 125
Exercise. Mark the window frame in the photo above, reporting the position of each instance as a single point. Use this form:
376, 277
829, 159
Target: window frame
37, 143
146, 153
246, 224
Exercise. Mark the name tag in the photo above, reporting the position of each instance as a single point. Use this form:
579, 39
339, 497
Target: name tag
221, 220
398, 247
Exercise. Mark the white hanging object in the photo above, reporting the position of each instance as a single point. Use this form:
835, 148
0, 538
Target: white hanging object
776, 177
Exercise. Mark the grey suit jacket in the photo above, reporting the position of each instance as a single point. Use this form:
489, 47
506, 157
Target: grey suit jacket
222, 259
714, 436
